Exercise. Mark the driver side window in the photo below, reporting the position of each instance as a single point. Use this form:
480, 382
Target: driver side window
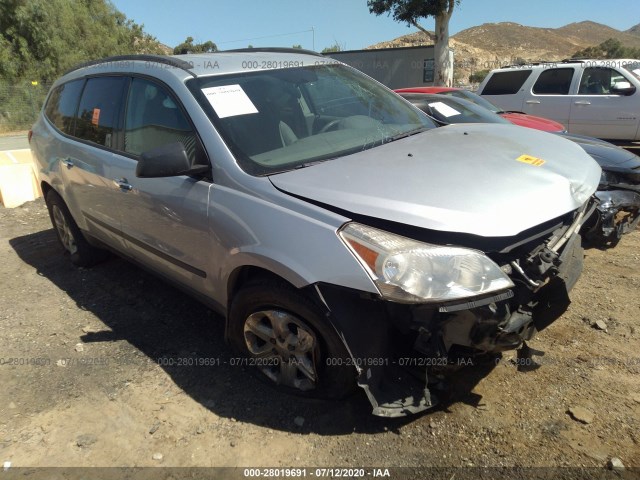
599, 81
154, 119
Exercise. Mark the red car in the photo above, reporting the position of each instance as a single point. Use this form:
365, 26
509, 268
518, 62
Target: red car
517, 118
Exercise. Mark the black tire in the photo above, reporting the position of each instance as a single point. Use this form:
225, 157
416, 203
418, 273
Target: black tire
274, 303
74, 243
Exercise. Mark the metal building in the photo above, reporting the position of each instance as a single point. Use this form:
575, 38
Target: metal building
393, 67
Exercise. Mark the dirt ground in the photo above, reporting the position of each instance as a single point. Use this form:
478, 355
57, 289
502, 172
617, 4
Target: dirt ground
97, 369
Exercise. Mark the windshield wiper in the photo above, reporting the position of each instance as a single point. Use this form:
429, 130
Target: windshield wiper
407, 134
311, 163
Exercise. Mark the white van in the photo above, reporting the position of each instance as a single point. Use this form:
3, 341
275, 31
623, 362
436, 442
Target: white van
600, 98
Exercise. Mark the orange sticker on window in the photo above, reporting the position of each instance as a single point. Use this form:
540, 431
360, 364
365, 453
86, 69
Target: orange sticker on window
535, 161
96, 116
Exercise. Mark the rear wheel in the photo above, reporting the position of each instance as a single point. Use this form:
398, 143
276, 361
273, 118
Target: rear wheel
80, 251
286, 337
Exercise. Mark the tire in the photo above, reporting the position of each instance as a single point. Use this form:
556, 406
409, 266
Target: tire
286, 337
82, 254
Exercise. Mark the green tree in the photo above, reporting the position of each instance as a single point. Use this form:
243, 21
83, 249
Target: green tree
39, 39
610, 48
336, 47
410, 11
189, 47
297, 46
477, 77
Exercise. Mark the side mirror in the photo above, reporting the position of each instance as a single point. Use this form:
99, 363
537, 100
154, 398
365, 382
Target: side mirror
168, 160
623, 88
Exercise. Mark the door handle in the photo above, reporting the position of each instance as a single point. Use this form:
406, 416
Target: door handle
123, 184
533, 102
67, 162
582, 102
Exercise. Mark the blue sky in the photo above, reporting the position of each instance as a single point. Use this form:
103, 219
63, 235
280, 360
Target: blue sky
283, 23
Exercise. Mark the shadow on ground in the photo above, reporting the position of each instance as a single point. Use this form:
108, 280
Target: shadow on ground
178, 333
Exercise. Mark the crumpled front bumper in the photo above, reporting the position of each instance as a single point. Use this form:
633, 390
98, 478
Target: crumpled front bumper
397, 347
617, 214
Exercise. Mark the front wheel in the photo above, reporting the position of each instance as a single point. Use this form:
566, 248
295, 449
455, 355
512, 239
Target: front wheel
288, 340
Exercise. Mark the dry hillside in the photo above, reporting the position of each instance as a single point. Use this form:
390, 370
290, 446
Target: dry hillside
492, 45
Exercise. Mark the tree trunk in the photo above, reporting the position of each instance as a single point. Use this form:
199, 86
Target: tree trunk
422, 29
443, 75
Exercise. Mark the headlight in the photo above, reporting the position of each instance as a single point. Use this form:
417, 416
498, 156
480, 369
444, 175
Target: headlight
626, 176
409, 271
609, 177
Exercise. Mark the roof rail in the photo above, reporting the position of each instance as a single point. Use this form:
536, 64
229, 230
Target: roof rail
163, 59
574, 60
275, 50
534, 64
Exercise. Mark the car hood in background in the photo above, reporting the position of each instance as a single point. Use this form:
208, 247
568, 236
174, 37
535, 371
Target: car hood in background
605, 153
531, 121
488, 180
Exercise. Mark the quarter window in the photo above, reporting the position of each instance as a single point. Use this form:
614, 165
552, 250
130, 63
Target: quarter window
154, 119
99, 111
554, 81
62, 104
506, 83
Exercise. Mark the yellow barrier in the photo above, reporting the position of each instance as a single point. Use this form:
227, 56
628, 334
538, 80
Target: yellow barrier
18, 180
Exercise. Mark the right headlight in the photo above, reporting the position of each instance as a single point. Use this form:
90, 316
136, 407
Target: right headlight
409, 271
607, 177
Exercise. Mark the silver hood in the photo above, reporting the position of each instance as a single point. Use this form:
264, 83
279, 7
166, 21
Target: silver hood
469, 178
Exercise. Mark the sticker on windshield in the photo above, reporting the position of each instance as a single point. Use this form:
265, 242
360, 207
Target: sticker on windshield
444, 109
229, 101
535, 161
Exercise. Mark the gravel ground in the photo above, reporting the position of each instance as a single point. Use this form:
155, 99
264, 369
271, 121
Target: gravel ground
98, 370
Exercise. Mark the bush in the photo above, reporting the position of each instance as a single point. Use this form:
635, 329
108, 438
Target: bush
20, 105
478, 77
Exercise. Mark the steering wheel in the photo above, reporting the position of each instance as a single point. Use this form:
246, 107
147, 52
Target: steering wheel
330, 125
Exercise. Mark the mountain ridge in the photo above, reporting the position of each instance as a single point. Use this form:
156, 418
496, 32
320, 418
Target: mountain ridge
492, 45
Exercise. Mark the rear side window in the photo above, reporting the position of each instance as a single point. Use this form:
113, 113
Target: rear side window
62, 105
100, 109
506, 83
555, 81
154, 118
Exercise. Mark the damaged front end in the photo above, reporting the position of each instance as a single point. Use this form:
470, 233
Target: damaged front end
397, 345
619, 209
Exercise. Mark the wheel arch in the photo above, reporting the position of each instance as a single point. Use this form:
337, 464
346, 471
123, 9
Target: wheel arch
252, 274
46, 188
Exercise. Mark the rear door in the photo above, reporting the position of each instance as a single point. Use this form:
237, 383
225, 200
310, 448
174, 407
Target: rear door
598, 112
164, 220
85, 160
549, 96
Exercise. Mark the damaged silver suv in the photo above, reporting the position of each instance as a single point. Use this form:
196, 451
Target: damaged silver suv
345, 240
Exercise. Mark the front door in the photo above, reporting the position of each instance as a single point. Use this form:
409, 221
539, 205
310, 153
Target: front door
597, 111
164, 220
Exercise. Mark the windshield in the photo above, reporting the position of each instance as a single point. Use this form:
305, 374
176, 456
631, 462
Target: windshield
472, 97
278, 120
447, 110
633, 68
